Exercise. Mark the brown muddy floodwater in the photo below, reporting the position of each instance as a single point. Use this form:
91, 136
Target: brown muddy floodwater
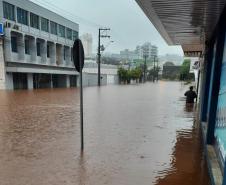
134, 135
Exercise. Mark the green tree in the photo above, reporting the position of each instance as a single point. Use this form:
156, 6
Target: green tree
126, 76
185, 68
135, 74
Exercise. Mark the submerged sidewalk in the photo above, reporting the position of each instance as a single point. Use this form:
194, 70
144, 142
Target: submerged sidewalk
134, 134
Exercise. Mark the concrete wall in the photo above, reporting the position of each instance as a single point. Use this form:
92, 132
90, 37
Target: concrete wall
92, 79
2, 67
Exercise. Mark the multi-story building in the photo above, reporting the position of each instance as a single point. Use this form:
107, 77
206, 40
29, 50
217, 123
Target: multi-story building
148, 50
87, 41
128, 55
139, 52
154, 51
37, 47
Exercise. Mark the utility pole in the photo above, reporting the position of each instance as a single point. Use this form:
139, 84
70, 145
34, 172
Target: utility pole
145, 56
157, 70
145, 67
102, 34
154, 71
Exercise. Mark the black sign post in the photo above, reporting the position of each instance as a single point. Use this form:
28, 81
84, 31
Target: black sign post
78, 58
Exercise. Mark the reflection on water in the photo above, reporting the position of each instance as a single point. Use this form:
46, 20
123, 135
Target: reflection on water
138, 134
188, 165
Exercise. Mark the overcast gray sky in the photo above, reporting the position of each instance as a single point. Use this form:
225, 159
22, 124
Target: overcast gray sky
129, 25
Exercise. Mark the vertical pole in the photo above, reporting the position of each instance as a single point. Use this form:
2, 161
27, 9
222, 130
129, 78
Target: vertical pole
145, 64
99, 59
198, 85
224, 174
154, 71
81, 101
157, 70
206, 85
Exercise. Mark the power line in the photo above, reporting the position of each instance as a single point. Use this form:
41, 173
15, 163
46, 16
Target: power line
68, 14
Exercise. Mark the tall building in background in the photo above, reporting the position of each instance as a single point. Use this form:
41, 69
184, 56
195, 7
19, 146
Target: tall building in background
87, 41
147, 48
154, 51
150, 50
139, 52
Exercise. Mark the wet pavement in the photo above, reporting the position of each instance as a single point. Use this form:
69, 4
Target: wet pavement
134, 135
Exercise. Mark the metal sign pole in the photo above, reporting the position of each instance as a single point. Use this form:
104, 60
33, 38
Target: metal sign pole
78, 58
81, 103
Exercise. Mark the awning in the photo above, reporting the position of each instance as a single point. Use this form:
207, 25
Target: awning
184, 22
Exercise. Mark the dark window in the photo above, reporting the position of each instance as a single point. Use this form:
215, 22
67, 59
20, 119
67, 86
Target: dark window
61, 31
34, 20
14, 43
20, 80
22, 16
69, 33
48, 53
9, 11
38, 45
44, 24
71, 54
27, 47
65, 53
53, 28
75, 35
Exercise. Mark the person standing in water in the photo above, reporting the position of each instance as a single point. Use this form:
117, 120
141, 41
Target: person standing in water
190, 95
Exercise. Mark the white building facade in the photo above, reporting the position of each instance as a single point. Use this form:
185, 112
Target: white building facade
37, 47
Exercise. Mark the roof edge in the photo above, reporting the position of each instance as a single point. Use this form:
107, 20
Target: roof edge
152, 16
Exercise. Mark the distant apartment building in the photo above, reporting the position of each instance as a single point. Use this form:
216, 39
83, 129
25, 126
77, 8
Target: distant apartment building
87, 41
139, 52
154, 51
37, 47
128, 55
148, 50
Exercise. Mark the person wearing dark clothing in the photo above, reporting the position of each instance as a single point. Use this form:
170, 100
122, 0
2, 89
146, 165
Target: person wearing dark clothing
190, 95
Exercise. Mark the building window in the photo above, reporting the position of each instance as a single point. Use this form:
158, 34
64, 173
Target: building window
53, 28
9, 12
34, 21
61, 31
69, 33
22, 16
14, 43
75, 35
64, 53
27, 47
38, 45
48, 52
71, 54
44, 24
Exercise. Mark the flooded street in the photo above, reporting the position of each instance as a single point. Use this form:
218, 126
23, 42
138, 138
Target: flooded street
134, 135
